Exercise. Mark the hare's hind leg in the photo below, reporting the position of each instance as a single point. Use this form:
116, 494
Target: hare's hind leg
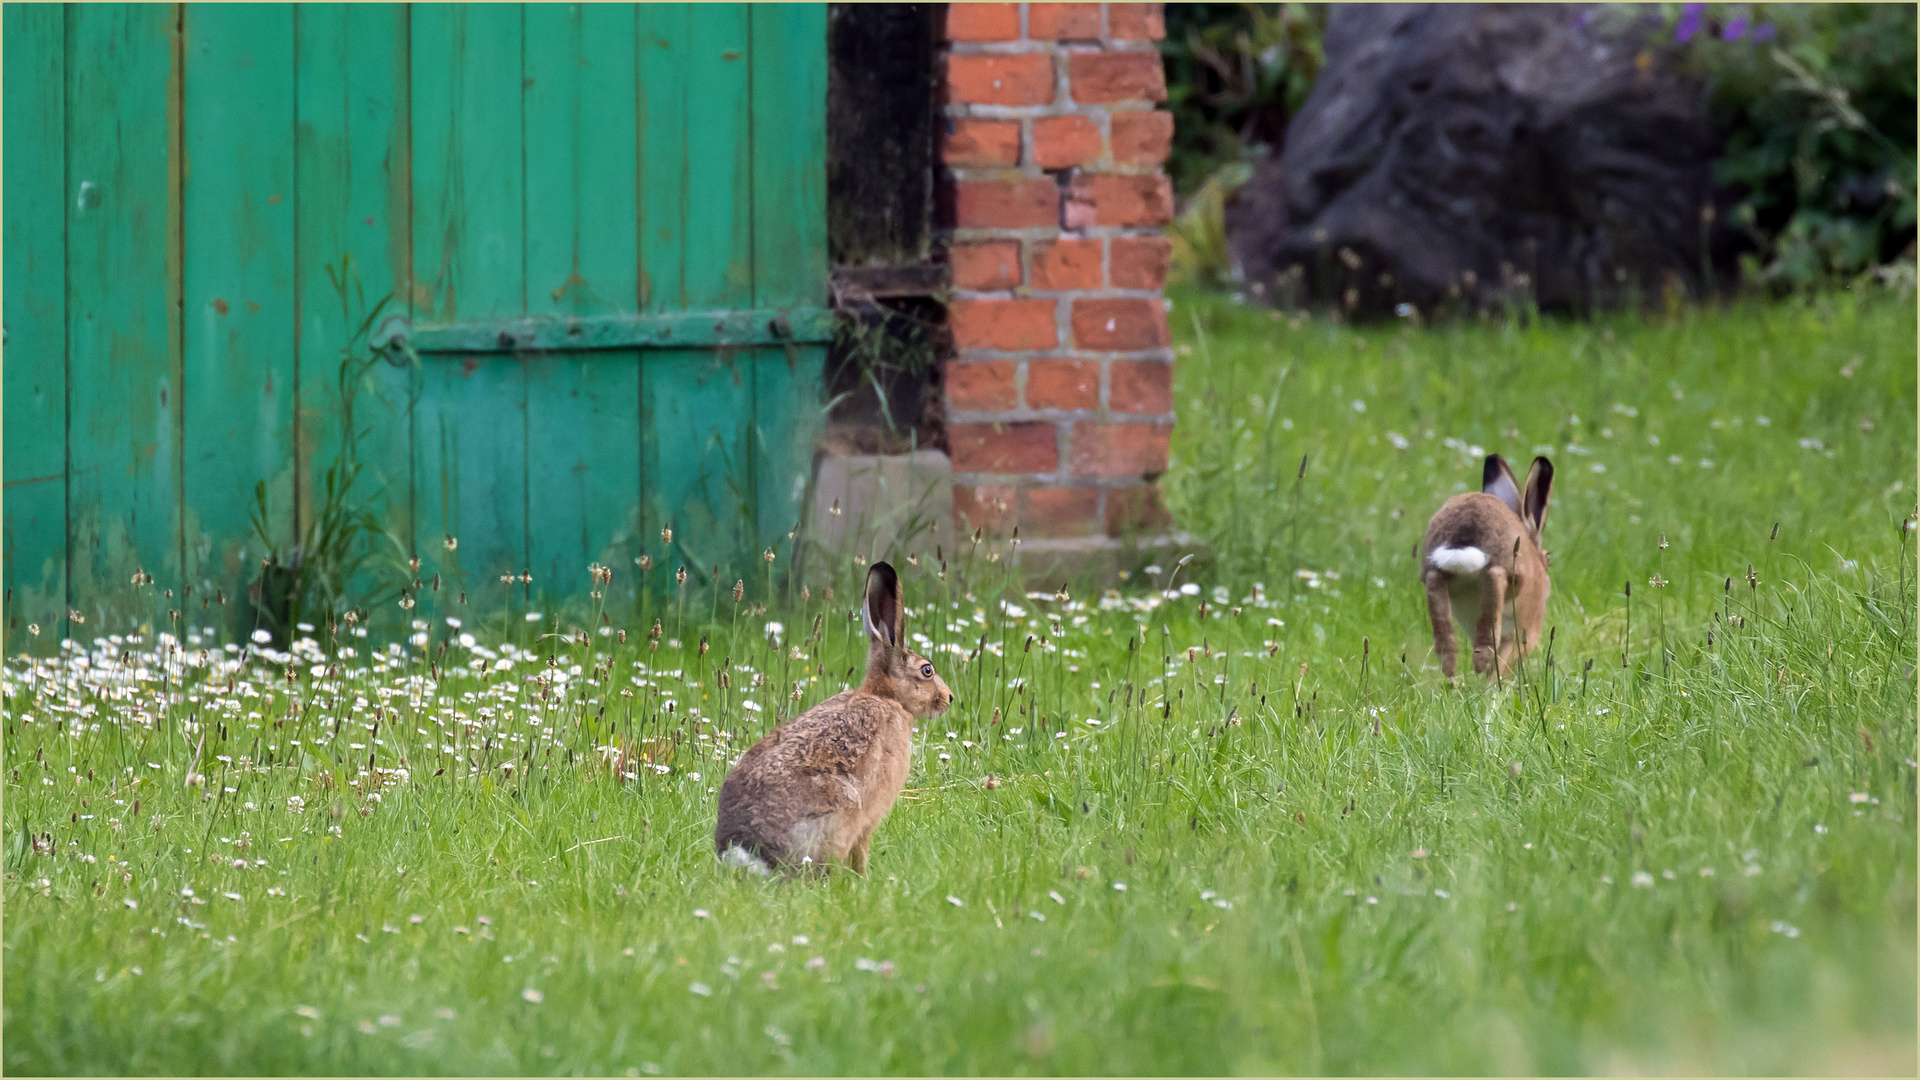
1486, 632
1440, 611
857, 854
1512, 648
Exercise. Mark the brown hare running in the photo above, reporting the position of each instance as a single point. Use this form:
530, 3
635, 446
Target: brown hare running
815, 787
1482, 553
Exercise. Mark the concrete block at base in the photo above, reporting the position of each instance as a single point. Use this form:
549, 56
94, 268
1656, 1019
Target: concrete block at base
1090, 563
889, 504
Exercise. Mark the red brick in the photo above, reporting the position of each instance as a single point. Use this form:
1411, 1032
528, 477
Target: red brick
1118, 449
1063, 384
1139, 262
1061, 512
1019, 79
1099, 78
981, 386
983, 267
990, 507
1119, 325
1135, 509
1067, 264
1054, 22
1138, 386
983, 22
1136, 22
1119, 199
1142, 138
982, 142
1029, 203
1062, 142
1006, 448
1008, 325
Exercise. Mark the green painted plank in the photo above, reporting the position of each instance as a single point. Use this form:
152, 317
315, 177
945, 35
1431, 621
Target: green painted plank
470, 467
583, 462
696, 249
470, 455
676, 329
789, 213
664, 34
35, 363
788, 415
696, 406
696, 255
718, 250
239, 312
789, 58
581, 157
468, 226
583, 447
355, 233
123, 358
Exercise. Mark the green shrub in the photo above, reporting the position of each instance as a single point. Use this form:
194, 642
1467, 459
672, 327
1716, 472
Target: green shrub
1816, 104
1236, 73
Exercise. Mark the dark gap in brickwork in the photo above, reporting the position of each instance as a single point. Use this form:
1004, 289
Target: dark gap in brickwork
883, 368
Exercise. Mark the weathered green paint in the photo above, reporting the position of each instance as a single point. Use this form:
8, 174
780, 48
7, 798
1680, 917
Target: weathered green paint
789, 57
662, 33
789, 79
672, 330
35, 497
583, 438
582, 197
470, 457
354, 234
717, 254
240, 330
583, 465
469, 226
601, 227
124, 496
469, 233
696, 412
783, 438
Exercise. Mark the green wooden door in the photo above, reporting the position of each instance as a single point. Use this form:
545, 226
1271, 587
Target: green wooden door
590, 239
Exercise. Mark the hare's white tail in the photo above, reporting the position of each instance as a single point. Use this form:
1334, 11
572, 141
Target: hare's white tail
740, 857
1462, 560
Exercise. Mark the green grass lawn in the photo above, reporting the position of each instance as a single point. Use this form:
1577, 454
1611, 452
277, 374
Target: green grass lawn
1242, 827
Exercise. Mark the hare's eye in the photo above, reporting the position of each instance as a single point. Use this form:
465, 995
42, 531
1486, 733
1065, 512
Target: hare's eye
926, 671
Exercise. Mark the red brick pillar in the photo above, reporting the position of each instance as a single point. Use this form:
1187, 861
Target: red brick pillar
1060, 392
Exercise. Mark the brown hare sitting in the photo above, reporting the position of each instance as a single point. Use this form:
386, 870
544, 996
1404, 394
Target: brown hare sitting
1481, 554
815, 787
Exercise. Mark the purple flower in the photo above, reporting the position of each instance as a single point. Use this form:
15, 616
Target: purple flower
1762, 32
1735, 29
1689, 22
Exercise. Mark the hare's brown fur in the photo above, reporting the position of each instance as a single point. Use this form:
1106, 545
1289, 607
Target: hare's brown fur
813, 790
1482, 558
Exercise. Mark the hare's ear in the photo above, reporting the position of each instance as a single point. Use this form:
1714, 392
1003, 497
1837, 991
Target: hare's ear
1497, 480
885, 620
1534, 501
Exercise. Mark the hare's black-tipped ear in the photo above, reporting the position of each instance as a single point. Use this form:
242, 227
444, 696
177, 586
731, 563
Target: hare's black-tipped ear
1534, 501
1497, 480
885, 619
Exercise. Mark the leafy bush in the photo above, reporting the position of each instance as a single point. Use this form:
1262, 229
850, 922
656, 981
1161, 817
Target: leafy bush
1235, 74
1199, 233
1816, 104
